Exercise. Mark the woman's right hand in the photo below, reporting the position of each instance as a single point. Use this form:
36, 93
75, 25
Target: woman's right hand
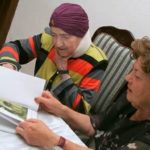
36, 133
49, 103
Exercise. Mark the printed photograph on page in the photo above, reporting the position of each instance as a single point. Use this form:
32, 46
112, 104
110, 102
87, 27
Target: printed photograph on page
13, 109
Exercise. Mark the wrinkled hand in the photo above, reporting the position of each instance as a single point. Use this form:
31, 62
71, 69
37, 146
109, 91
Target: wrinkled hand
8, 65
61, 62
49, 103
36, 133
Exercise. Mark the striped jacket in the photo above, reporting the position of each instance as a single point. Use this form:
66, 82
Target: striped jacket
86, 71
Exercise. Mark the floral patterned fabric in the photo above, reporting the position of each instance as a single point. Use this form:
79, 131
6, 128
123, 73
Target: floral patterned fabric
116, 132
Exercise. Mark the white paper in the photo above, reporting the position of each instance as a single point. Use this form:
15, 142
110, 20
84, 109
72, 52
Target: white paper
19, 87
17, 94
6, 126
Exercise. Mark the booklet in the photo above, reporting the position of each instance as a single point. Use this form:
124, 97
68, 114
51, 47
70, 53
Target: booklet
17, 94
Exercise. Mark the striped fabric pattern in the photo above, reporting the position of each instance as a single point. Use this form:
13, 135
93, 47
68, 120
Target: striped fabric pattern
119, 65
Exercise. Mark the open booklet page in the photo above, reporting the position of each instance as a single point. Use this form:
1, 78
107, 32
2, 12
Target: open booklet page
15, 113
17, 95
7, 126
20, 87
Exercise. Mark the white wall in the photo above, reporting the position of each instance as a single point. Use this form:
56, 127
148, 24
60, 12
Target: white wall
32, 16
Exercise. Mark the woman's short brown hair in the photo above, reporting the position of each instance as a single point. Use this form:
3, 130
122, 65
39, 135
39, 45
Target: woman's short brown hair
141, 48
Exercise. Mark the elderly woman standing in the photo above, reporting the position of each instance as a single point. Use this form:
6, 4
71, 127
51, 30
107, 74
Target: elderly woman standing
125, 126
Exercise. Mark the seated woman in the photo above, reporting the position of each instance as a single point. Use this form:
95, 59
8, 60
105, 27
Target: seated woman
125, 126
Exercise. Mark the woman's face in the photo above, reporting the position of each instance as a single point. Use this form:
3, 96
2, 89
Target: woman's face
64, 43
138, 92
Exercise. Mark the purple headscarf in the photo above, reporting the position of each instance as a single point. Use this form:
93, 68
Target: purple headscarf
71, 18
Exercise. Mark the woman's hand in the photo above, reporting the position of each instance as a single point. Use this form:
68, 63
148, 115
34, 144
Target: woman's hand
8, 65
36, 133
50, 104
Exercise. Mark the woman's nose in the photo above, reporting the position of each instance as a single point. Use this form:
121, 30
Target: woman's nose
128, 77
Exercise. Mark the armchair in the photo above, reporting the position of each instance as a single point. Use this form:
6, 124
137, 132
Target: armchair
115, 43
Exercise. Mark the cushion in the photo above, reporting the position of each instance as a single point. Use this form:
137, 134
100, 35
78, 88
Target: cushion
120, 64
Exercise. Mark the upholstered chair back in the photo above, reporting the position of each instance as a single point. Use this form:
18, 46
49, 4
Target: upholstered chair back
119, 64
